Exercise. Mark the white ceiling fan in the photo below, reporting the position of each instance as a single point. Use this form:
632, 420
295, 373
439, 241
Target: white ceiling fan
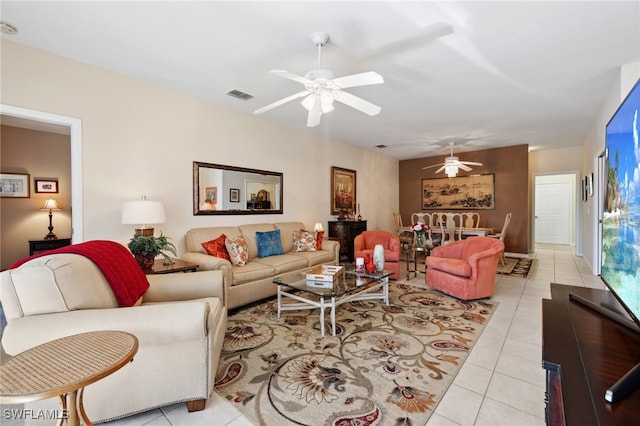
321, 88
452, 164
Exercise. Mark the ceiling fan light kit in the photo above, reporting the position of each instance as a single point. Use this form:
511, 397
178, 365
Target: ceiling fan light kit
322, 88
452, 164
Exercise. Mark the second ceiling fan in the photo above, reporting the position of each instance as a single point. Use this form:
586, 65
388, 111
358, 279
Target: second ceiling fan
322, 89
452, 164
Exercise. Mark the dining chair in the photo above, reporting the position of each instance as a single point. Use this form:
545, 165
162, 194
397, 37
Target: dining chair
501, 235
452, 227
470, 219
404, 232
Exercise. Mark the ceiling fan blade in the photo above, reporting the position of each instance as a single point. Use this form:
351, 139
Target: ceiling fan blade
431, 167
463, 167
471, 163
440, 169
357, 103
362, 79
280, 102
425, 35
291, 76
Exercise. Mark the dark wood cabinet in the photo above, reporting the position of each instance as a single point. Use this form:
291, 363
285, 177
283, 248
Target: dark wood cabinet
584, 353
345, 232
37, 246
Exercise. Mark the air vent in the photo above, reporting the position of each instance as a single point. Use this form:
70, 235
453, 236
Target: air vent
6, 28
240, 95
381, 146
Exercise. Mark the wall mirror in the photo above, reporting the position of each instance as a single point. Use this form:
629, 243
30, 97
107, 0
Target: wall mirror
219, 189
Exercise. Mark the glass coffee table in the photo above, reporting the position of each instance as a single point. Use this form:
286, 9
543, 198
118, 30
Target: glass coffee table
348, 287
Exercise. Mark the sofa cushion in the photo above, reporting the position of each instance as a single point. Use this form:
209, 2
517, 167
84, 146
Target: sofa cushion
269, 243
304, 241
238, 250
315, 257
286, 233
195, 237
249, 234
62, 282
252, 271
283, 263
217, 247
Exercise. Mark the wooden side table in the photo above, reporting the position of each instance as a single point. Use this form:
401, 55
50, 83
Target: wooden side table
37, 246
63, 367
177, 266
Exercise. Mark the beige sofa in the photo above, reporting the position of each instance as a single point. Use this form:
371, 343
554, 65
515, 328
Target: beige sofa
180, 324
254, 281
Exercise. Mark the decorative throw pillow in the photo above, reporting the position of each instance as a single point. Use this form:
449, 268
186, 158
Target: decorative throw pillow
217, 248
238, 250
269, 243
304, 241
319, 236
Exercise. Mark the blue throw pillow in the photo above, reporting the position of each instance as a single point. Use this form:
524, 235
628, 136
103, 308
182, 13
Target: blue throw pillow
269, 243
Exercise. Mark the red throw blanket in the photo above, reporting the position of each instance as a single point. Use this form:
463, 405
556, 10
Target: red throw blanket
118, 266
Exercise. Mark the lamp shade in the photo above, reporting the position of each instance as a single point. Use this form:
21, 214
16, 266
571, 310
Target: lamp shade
318, 227
143, 212
50, 204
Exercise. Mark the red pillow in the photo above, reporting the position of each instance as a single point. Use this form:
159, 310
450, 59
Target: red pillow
319, 235
217, 248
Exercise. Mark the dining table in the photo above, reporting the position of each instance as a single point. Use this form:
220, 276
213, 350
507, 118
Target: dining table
466, 232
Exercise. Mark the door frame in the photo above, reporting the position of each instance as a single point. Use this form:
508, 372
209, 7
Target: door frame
576, 217
75, 133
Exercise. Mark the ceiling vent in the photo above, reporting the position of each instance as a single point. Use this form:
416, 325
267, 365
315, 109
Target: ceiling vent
6, 28
240, 95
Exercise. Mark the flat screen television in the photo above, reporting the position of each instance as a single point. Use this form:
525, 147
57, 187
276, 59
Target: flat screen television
621, 220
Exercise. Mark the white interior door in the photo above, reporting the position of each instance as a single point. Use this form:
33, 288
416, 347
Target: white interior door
553, 212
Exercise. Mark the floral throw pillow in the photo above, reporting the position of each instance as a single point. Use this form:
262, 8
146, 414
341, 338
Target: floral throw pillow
304, 241
217, 248
238, 250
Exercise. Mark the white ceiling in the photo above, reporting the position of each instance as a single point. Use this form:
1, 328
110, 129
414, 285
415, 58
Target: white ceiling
482, 74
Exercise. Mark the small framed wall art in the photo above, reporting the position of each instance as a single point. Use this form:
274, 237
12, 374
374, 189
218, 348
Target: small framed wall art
46, 186
234, 195
14, 185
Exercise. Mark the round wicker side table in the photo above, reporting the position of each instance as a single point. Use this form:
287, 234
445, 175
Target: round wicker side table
63, 367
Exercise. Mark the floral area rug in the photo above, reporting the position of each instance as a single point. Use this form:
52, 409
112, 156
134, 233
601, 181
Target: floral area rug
517, 267
387, 365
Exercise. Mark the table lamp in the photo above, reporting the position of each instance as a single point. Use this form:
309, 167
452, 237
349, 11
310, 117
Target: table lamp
143, 213
50, 205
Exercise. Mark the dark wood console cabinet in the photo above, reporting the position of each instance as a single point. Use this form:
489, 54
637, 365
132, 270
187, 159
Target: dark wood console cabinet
584, 353
345, 232
37, 246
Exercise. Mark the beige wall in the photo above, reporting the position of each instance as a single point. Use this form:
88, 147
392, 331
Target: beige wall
510, 168
42, 155
139, 139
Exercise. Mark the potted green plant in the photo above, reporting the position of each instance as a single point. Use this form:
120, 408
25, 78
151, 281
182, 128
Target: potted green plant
145, 248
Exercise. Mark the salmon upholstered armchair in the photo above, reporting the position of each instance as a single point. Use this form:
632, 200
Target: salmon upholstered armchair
465, 269
364, 243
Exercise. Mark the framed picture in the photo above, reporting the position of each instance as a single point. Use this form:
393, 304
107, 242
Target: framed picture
14, 185
211, 194
234, 195
585, 188
590, 184
49, 186
475, 192
343, 190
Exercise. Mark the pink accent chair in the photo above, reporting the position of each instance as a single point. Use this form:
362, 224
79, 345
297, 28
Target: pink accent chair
465, 269
364, 243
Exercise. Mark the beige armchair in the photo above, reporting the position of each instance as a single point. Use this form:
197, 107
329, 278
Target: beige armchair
180, 322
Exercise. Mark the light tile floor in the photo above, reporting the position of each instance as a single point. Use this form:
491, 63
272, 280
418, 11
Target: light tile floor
502, 381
